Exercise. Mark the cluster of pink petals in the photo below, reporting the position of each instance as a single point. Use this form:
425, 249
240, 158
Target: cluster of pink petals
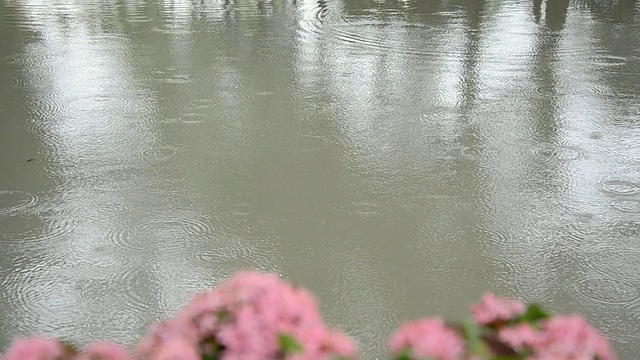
519, 337
242, 319
493, 308
51, 349
34, 349
256, 316
103, 351
427, 338
560, 338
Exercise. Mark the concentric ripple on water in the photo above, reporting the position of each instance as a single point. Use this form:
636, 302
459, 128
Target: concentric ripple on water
40, 227
14, 200
631, 206
609, 60
158, 153
45, 108
473, 152
619, 187
489, 236
214, 256
167, 235
104, 210
615, 263
117, 293
607, 290
551, 152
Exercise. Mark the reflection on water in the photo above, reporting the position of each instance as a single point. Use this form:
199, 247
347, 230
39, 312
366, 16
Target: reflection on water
398, 158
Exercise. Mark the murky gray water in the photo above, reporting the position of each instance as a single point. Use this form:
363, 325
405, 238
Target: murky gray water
398, 158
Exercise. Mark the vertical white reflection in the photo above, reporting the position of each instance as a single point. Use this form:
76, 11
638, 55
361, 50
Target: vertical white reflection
98, 121
179, 23
93, 119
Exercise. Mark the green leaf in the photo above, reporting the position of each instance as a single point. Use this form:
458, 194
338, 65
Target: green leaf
210, 349
69, 349
471, 333
404, 356
288, 344
223, 315
509, 357
533, 314
475, 338
209, 357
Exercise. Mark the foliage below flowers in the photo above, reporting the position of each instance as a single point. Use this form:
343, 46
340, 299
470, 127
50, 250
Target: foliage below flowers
255, 316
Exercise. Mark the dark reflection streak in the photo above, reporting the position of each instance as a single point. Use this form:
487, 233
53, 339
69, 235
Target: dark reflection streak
543, 176
322, 4
426, 7
537, 10
556, 14
545, 59
261, 7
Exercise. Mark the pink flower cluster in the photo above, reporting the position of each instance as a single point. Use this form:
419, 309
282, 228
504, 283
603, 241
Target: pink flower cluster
255, 316
503, 328
559, 338
250, 317
493, 309
428, 338
51, 349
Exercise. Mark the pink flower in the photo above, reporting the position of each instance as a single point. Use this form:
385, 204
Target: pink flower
175, 349
169, 340
519, 336
570, 338
337, 343
320, 343
103, 351
427, 338
34, 349
493, 308
244, 319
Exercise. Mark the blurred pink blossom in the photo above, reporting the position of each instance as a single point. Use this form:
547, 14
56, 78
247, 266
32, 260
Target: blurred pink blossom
570, 338
36, 348
255, 316
103, 351
243, 318
494, 308
427, 338
519, 336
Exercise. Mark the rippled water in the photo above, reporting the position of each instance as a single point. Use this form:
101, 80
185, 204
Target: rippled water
396, 157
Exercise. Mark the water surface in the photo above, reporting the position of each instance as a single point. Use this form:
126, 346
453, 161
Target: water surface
398, 158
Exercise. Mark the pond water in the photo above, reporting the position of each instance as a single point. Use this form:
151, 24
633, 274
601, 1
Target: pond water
398, 158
